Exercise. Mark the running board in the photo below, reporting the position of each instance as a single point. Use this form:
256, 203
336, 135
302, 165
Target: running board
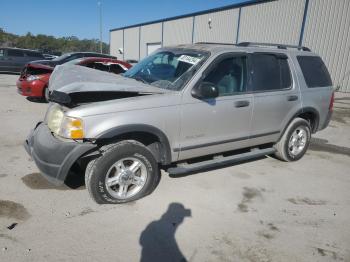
219, 161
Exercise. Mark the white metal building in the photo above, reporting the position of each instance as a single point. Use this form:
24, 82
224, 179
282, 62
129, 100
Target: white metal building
321, 25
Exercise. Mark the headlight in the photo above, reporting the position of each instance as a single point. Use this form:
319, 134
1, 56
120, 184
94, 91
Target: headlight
65, 126
54, 118
32, 78
72, 127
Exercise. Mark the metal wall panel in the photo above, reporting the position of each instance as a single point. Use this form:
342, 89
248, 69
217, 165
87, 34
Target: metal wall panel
274, 22
131, 43
178, 31
327, 33
222, 29
116, 42
150, 34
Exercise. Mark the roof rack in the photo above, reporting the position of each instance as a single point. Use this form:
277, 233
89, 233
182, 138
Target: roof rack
280, 46
213, 43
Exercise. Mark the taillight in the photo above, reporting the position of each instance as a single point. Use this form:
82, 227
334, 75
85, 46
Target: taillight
331, 103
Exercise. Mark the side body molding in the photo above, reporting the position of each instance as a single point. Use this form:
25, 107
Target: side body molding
124, 130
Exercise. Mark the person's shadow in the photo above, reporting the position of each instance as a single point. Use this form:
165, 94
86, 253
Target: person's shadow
158, 239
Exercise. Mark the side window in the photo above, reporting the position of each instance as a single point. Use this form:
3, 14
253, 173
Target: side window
116, 68
229, 76
33, 54
72, 57
270, 72
314, 71
98, 66
13, 52
2, 53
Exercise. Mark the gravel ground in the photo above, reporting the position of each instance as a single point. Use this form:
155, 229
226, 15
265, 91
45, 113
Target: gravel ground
262, 210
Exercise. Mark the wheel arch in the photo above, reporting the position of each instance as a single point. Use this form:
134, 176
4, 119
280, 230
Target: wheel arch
308, 113
150, 136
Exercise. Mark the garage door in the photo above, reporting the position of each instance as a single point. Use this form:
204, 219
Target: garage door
151, 47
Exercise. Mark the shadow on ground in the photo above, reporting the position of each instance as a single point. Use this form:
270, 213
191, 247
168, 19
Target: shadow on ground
322, 145
36, 100
158, 239
37, 182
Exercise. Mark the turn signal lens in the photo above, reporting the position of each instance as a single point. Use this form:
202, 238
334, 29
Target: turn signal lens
76, 134
72, 128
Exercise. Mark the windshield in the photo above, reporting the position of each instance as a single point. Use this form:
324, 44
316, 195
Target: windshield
62, 57
168, 68
74, 61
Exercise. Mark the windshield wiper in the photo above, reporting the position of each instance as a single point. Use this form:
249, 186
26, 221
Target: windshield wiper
140, 79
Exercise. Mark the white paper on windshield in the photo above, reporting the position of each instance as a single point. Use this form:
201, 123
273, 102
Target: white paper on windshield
189, 59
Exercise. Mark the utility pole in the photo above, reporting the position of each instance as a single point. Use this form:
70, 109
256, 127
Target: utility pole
100, 7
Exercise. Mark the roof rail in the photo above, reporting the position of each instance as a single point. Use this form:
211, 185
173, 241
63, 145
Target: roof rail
280, 46
213, 43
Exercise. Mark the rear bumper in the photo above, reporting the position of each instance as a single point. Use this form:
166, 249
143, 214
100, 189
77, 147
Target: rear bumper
54, 157
326, 122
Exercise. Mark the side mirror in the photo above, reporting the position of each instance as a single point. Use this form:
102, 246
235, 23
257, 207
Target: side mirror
205, 90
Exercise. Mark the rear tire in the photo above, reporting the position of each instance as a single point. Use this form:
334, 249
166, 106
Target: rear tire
295, 141
125, 172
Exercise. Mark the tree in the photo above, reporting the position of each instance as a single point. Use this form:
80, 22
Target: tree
49, 44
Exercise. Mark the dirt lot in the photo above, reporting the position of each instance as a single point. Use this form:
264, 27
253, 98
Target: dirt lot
262, 210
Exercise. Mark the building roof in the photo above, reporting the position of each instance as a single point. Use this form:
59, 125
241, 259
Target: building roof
232, 6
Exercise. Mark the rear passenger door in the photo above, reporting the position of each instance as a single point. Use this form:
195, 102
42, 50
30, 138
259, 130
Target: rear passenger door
276, 95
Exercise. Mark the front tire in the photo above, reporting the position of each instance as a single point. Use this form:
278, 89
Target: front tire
125, 172
46, 94
295, 141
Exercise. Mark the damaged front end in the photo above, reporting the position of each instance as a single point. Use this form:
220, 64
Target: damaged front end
72, 85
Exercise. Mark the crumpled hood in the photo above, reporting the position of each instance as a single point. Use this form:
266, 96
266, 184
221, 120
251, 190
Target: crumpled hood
75, 78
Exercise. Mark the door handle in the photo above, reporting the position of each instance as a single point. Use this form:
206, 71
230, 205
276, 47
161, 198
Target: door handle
292, 98
243, 103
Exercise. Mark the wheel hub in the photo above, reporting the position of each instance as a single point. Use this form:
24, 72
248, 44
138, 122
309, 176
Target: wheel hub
297, 141
126, 177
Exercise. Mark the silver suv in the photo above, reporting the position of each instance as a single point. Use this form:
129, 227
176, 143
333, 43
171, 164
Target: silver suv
181, 109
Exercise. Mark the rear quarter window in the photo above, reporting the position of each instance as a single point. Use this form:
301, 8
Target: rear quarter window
314, 71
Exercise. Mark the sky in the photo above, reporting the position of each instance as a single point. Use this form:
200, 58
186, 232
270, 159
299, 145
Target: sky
81, 17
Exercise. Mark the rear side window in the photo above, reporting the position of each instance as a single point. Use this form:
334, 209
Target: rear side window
270, 72
12, 52
315, 71
33, 54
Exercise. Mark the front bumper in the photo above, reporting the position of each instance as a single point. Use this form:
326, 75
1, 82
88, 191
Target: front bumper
34, 88
54, 157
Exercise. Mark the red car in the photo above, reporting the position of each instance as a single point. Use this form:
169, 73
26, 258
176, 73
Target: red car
34, 78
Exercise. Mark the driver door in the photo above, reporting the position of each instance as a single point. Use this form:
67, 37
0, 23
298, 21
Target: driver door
210, 126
